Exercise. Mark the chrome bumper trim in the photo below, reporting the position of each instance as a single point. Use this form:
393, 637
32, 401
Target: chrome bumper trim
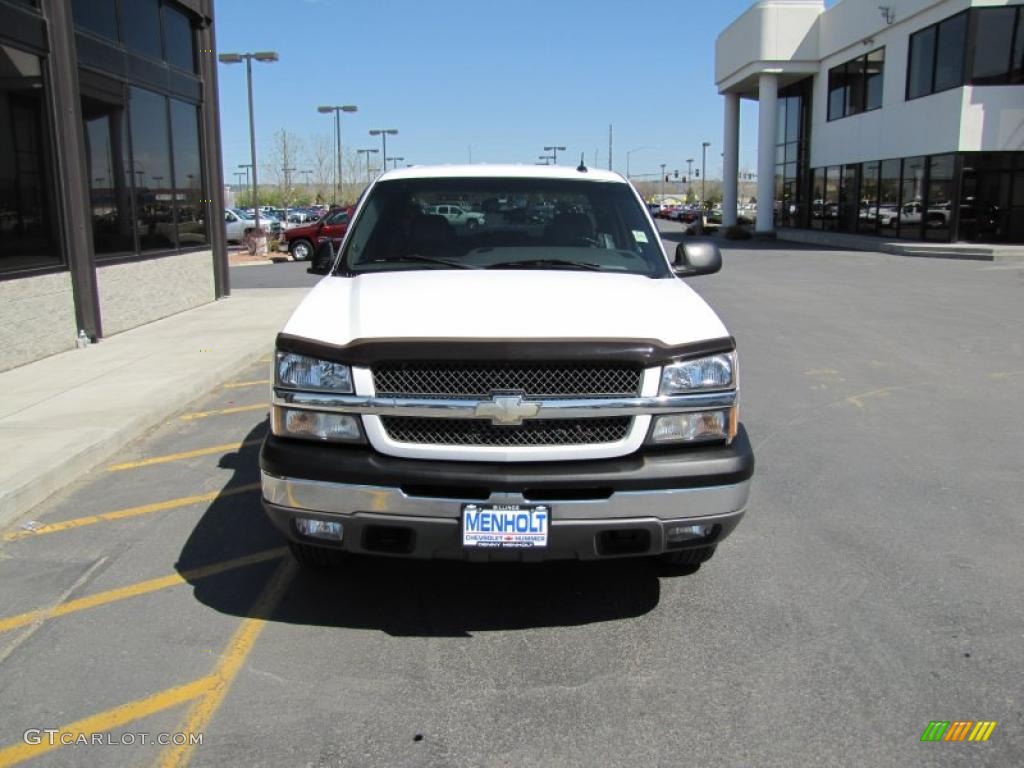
345, 499
368, 405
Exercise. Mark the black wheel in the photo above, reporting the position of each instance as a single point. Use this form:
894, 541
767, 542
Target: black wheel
317, 557
472, 224
685, 561
301, 250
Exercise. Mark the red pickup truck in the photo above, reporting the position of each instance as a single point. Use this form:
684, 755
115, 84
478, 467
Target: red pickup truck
302, 241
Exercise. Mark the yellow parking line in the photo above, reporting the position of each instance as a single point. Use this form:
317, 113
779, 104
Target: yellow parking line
224, 448
234, 655
140, 588
240, 384
121, 514
223, 411
110, 719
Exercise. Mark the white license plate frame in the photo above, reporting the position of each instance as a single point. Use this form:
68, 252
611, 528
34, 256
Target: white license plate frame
505, 526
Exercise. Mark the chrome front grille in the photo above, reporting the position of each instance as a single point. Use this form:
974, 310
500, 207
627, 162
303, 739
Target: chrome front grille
481, 380
539, 432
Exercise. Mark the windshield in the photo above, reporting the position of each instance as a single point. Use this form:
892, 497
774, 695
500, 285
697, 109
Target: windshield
499, 223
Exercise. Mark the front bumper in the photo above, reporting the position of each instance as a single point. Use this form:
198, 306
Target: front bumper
599, 509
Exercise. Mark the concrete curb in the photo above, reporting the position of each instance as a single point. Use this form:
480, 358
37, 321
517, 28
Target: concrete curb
68, 429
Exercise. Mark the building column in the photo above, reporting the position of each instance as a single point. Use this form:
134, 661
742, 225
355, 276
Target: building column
731, 167
214, 160
768, 103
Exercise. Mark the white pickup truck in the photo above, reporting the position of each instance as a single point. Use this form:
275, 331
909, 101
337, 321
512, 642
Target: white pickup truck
532, 391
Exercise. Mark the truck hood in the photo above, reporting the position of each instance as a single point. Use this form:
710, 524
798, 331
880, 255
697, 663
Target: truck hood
503, 304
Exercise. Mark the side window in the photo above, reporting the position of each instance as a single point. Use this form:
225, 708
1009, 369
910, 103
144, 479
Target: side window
229, 216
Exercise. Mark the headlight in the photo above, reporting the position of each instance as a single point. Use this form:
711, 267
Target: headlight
316, 425
308, 373
692, 427
705, 373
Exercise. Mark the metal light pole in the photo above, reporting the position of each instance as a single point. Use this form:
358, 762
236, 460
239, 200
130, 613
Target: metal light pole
554, 153
546, 158
383, 133
367, 152
393, 160
339, 190
663, 183
629, 154
238, 58
246, 166
239, 175
704, 172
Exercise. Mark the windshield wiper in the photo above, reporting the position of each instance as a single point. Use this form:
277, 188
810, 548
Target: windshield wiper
547, 263
425, 260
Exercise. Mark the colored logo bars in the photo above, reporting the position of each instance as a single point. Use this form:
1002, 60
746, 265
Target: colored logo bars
958, 730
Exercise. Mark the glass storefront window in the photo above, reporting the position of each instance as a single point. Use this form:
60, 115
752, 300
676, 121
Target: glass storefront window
874, 78
992, 34
830, 205
1017, 66
941, 189
889, 199
867, 210
99, 16
109, 186
188, 178
912, 199
818, 198
140, 31
848, 198
27, 235
151, 171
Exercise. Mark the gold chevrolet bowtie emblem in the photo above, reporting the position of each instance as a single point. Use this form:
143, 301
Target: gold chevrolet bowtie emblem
507, 410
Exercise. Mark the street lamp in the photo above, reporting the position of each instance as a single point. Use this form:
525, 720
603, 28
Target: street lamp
663, 182
554, 153
337, 110
629, 153
367, 152
383, 133
393, 160
238, 58
704, 172
546, 158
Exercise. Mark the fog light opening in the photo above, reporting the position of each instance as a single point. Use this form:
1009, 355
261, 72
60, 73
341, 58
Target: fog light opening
676, 534
319, 529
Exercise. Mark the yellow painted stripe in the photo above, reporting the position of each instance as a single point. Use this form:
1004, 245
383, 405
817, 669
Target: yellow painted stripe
121, 514
140, 588
223, 411
224, 448
201, 713
240, 384
988, 731
111, 719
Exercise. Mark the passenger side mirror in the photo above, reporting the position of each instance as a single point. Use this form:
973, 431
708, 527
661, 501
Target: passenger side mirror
697, 259
323, 259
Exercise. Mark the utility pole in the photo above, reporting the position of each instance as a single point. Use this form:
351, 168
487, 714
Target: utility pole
704, 172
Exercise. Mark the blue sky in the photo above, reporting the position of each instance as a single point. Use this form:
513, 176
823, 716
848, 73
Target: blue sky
503, 77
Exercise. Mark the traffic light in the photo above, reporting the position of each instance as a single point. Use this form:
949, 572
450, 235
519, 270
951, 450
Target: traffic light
666, 177
676, 174
697, 173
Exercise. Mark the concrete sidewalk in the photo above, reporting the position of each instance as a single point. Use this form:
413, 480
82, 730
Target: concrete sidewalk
66, 414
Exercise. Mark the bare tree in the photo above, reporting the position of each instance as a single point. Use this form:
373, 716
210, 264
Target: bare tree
321, 162
283, 162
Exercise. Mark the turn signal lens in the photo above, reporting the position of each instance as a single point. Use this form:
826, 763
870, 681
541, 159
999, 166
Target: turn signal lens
691, 427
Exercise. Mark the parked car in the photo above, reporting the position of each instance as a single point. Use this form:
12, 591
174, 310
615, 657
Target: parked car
436, 399
236, 222
458, 215
301, 241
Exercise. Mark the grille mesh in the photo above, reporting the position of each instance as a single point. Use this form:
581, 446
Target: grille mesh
481, 380
427, 431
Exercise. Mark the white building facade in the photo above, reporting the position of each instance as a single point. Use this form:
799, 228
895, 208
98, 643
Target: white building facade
902, 121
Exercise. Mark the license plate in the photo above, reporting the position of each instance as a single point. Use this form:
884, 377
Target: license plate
505, 526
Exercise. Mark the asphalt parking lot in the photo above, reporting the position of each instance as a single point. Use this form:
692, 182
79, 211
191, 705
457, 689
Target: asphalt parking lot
873, 587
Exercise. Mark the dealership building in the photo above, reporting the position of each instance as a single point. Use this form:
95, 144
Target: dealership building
109, 145
902, 121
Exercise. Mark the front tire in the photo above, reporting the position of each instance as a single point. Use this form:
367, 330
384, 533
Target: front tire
301, 250
318, 558
685, 561
472, 225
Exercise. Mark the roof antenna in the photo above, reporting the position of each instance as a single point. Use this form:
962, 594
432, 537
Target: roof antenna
582, 167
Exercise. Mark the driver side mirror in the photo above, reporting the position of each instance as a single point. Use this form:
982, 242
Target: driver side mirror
697, 259
323, 259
